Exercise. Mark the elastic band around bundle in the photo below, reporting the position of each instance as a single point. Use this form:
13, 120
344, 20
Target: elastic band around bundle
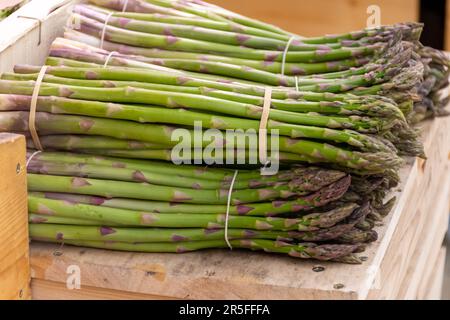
102, 38
283, 62
227, 216
108, 58
262, 134
32, 156
33, 105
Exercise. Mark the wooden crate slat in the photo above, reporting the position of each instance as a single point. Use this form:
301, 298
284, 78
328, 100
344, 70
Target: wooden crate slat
432, 290
14, 258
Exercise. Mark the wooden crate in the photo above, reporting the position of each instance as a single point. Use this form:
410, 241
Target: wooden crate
405, 263
26, 40
14, 258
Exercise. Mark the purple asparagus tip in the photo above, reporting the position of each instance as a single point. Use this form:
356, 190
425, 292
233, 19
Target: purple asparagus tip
250, 233
139, 176
278, 203
38, 220
65, 92
181, 249
297, 71
179, 196
43, 209
79, 182
91, 75
243, 209
271, 56
171, 39
148, 218
242, 38
123, 22
86, 125
196, 186
97, 201
211, 231
119, 165
104, 231
179, 238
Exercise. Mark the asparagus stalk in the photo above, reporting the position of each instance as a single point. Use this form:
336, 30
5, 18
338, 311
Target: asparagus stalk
124, 217
75, 195
76, 142
237, 156
328, 252
53, 220
151, 235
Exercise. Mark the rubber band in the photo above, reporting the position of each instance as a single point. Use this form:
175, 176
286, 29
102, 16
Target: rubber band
39, 26
283, 63
227, 216
33, 105
262, 134
296, 83
102, 38
108, 58
125, 6
31, 157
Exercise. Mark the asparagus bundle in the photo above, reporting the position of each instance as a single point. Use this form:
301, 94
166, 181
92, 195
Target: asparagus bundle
186, 207
196, 39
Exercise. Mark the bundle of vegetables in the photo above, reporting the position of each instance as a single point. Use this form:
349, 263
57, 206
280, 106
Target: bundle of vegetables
203, 38
119, 84
154, 206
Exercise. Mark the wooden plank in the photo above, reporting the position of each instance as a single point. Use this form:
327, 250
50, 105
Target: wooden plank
14, 258
309, 18
433, 289
430, 193
49, 290
219, 274
20, 36
425, 261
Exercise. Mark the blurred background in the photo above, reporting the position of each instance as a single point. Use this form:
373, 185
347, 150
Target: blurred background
315, 18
